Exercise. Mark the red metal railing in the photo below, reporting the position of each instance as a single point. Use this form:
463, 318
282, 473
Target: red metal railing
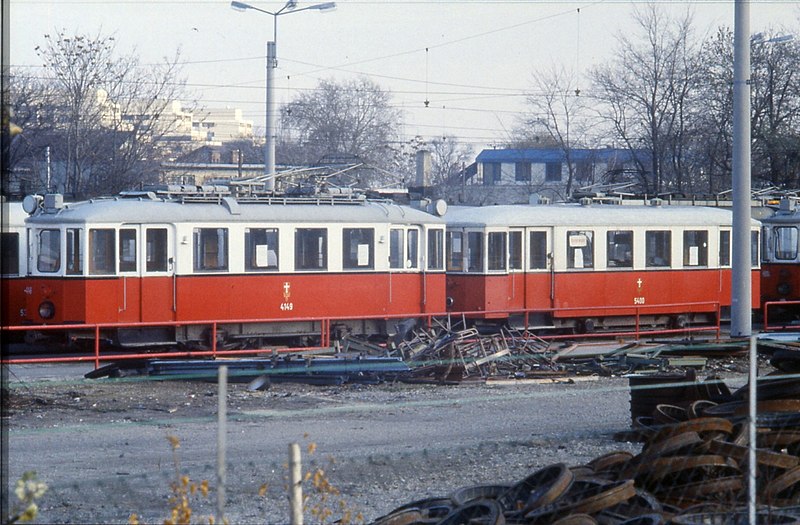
325, 326
767, 305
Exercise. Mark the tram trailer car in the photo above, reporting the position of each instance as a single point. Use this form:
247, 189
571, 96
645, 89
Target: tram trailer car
780, 267
591, 267
13, 264
151, 259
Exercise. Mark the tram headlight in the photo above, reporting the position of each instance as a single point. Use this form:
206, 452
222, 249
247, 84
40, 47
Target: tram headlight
47, 310
784, 289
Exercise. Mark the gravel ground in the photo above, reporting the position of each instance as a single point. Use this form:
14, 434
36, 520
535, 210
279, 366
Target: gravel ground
102, 445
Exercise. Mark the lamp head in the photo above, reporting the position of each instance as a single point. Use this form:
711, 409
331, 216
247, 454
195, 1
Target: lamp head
240, 6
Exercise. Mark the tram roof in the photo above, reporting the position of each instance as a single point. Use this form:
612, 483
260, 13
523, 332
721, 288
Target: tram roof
594, 215
173, 211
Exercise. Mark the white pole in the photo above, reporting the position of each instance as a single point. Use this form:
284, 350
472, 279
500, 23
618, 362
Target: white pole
296, 480
741, 292
222, 394
270, 133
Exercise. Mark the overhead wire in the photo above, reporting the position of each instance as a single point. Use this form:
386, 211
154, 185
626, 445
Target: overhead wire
496, 92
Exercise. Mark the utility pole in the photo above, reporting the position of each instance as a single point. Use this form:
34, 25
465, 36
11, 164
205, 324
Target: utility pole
741, 286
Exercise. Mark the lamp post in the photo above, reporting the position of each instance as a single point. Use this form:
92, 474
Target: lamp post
272, 63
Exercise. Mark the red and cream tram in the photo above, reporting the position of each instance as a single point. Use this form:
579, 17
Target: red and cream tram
13, 264
589, 267
200, 254
780, 268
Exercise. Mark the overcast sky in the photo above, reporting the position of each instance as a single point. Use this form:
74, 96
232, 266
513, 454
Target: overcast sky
471, 59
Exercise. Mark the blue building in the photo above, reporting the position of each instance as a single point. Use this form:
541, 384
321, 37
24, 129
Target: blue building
517, 175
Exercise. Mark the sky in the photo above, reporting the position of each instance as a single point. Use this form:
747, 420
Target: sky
472, 60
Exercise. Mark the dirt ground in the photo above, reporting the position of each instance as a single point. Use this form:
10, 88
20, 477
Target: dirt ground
102, 444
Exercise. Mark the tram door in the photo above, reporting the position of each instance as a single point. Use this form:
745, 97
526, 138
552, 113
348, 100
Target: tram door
158, 292
540, 281
146, 273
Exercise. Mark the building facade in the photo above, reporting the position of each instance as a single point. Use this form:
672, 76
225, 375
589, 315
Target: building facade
515, 175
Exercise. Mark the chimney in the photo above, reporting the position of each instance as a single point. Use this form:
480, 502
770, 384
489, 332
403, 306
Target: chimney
423, 168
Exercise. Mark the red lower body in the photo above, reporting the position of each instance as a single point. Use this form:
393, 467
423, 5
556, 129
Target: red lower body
239, 297
583, 294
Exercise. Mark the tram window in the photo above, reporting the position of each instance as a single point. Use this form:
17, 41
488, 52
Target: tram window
261, 248
102, 251
74, 252
474, 251
396, 237
620, 249
210, 249
724, 248
455, 251
538, 250
435, 249
311, 249
10, 253
412, 249
496, 247
695, 248
515, 250
359, 248
658, 248
127, 250
580, 249
49, 259
156, 249
755, 239
785, 242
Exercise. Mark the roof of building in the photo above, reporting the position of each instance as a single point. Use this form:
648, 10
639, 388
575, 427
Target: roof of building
551, 154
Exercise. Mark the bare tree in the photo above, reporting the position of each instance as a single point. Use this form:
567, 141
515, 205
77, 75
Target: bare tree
556, 109
646, 91
775, 96
448, 159
775, 84
711, 141
352, 118
26, 151
108, 112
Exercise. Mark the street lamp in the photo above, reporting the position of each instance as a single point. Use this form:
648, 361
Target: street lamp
272, 63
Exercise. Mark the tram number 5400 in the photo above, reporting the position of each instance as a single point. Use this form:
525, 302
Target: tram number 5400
638, 300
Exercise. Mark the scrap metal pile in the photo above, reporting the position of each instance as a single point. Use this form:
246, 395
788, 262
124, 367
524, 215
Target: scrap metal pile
445, 355
692, 469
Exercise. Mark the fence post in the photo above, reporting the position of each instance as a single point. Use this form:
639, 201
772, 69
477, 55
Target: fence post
222, 409
752, 411
296, 487
96, 347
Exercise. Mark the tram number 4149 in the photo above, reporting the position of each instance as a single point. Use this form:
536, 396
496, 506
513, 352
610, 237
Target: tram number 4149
287, 307
638, 300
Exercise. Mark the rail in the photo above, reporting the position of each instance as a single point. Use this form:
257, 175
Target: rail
767, 327
97, 355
